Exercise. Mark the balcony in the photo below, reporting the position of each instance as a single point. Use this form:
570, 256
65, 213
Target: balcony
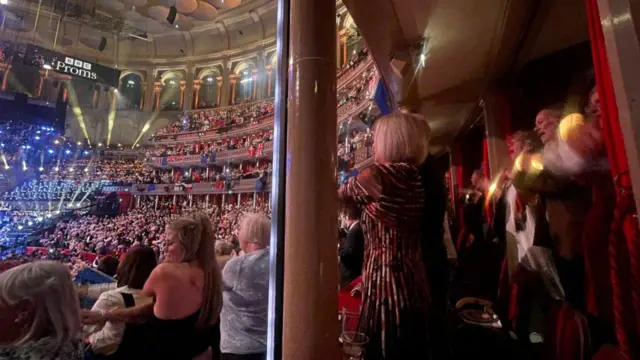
204, 159
239, 186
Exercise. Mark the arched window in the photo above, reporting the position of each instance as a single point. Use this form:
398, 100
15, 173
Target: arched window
130, 92
170, 94
247, 77
208, 93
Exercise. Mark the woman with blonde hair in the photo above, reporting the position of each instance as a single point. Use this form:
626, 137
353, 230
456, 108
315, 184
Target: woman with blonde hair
243, 320
39, 300
187, 288
391, 192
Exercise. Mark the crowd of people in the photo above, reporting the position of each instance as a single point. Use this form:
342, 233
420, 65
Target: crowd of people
254, 142
222, 119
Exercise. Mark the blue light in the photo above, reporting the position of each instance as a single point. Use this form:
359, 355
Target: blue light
28, 146
67, 152
1, 144
37, 137
86, 152
50, 151
22, 146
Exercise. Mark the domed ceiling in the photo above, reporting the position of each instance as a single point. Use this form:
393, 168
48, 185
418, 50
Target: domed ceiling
142, 30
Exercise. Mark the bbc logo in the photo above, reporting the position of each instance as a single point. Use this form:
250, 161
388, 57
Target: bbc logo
77, 63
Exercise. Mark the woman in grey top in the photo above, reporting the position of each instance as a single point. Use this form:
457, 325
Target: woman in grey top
243, 320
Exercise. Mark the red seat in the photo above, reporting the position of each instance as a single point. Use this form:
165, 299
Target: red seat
608, 352
568, 336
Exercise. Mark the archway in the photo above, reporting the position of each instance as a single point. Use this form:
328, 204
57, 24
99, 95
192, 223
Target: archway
171, 94
246, 82
208, 92
130, 91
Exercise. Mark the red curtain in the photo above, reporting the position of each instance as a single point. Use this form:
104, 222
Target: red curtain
624, 249
125, 201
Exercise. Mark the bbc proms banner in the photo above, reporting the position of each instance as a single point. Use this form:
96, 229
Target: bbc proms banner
71, 65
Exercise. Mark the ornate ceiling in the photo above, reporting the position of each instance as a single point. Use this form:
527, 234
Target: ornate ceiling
137, 31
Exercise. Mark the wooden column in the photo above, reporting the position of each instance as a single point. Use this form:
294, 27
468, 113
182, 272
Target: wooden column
197, 84
157, 89
219, 82
233, 81
182, 87
310, 326
255, 83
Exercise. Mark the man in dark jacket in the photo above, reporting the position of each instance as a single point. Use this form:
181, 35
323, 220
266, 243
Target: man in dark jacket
352, 251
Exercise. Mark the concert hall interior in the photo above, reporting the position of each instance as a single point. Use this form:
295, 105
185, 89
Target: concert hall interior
319, 180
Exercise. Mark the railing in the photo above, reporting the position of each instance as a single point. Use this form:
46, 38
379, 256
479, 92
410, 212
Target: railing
211, 158
239, 186
213, 134
352, 74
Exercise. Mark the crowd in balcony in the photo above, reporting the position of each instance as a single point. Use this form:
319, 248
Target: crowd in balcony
357, 91
222, 119
254, 143
353, 63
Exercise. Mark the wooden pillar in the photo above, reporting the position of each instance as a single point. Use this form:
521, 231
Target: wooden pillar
310, 306
255, 83
182, 87
197, 84
157, 89
219, 82
269, 74
143, 85
233, 90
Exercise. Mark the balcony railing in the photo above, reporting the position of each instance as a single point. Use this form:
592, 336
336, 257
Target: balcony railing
212, 158
238, 186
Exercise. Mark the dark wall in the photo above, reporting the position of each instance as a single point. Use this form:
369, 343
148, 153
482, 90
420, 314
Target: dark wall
563, 78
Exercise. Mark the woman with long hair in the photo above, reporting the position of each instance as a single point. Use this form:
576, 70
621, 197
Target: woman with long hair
187, 288
395, 292
119, 340
39, 302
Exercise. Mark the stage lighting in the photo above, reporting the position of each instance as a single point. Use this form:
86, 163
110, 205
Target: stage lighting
67, 152
20, 227
41, 168
37, 137
50, 151
79, 143
56, 168
30, 223
71, 170
56, 142
86, 170
4, 2
86, 152
28, 146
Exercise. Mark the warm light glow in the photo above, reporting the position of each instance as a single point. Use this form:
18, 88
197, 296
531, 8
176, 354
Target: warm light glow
569, 124
517, 163
536, 163
56, 142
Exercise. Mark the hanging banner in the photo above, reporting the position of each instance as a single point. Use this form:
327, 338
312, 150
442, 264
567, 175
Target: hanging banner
73, 66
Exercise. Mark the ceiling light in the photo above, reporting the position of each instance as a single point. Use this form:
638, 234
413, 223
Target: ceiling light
45, 66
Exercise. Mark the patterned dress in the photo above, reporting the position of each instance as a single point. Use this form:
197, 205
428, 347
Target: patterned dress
395, 293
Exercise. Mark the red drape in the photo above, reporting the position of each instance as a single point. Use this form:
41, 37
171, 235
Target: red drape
623, 244
125, 201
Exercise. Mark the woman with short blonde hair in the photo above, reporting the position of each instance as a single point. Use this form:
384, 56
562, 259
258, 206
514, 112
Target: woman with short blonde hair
243, 320
401, 138
45, 306
392, 196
